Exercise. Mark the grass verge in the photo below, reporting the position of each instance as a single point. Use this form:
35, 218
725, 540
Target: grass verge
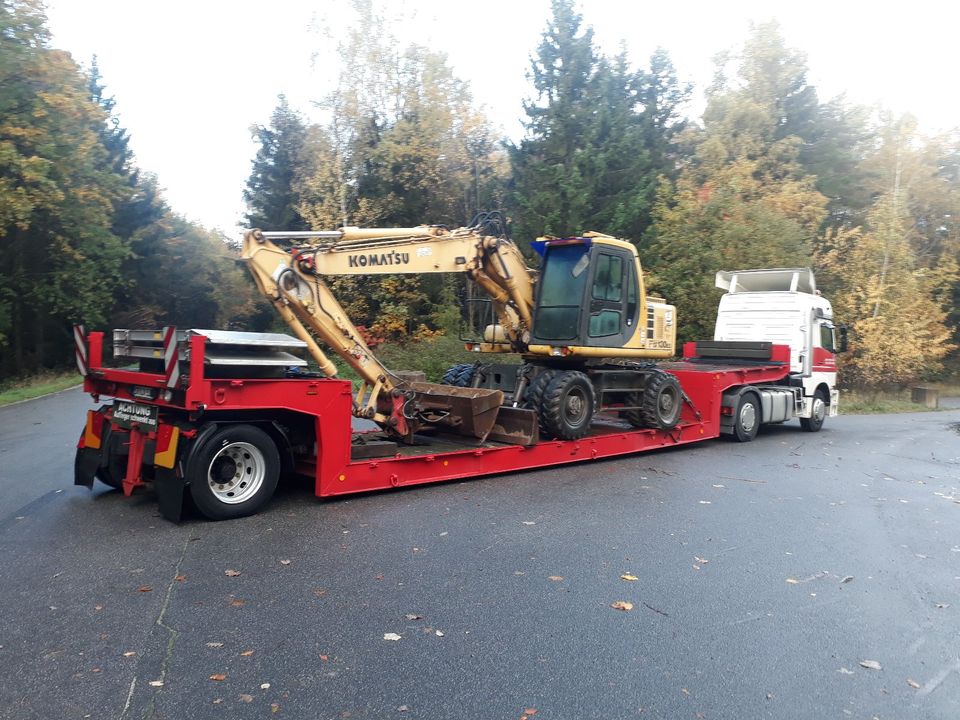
866, 402
27, 388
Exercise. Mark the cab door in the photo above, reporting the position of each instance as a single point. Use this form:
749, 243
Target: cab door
611, 317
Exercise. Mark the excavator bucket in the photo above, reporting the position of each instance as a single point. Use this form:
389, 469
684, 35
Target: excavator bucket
465, 411
474, 412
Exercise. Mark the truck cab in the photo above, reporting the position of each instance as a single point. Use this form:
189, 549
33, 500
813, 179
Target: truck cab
783, 306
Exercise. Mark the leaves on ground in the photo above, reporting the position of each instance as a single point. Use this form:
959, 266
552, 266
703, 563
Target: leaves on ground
144, 588
913, 683
285, 562
391, 636
265, 686
237, 602
844, 671
622, 605
246, 653
555, 578
179, 578
702, 561
871, 665
439, 633
846, 579
156, 683
413, 616
629, 577
941, 606
244, 697
214, 644
130, 653
793, 581
231, 573
218, 677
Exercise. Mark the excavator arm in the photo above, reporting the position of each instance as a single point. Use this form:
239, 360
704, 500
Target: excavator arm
289, 268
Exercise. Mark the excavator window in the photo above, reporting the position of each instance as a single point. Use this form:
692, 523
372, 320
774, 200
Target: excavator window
561, 293
606, 309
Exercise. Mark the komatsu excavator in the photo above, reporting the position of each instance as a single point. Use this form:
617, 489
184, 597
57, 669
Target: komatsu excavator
582, 323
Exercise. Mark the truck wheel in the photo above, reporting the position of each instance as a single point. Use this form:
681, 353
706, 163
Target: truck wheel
660, 403
533, 396
234, 473
460, 375
746, 420
820, 404
567, 405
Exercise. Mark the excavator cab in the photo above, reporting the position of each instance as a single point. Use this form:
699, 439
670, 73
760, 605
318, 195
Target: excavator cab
591, 301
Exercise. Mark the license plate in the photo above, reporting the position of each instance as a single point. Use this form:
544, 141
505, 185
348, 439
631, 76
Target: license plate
127, 414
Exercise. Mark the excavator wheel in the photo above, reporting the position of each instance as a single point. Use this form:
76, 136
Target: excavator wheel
660, 402
567, 407
460, 375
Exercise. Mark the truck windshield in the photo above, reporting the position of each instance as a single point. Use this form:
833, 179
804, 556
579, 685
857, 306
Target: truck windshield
561, 292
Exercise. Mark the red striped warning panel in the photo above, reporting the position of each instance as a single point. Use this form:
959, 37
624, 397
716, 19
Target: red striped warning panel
80, 348
171, 357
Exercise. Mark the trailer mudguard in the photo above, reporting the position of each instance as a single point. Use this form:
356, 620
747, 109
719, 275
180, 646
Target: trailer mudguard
168, 484
85, 465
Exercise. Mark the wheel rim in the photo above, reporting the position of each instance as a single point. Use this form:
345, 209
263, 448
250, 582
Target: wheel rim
666, 404
236, 473
819, 409
748, 417
575, 407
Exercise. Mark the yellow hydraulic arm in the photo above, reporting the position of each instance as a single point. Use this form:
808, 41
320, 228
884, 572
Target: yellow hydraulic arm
289, 267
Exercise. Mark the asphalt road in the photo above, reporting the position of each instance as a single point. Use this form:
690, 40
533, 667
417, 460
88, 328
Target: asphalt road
766, 574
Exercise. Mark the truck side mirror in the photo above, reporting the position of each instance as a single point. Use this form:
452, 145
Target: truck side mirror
842, 345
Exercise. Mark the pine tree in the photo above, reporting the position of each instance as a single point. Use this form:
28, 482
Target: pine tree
271, 194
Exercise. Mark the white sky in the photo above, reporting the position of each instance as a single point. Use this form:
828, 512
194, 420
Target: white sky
191, 76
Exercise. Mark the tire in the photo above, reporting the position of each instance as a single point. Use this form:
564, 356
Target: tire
112, 472
660, 402
460, 375
533, 396
567, 406
234, 472
821, 402
746, 419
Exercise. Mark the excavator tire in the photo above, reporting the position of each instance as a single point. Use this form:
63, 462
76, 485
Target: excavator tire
460, 375
533, 397
660, 402
567, 406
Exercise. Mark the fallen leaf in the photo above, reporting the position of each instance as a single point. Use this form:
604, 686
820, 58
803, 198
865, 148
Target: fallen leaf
214, 645
941, 606
770, 696
320, 592
402, 708
218, 677
217, 701
706, 502
871, 664
95, 670
180, 578
684, 691
130, 653
265, 686
156, 683
913, 683
231, 573
702, 561
391, 636
530, 711
285, 562
412, 616
555, 578
846, 579
237, 602
274, 708
246, 653
439, 634
98, 608
844, 671
144, 588
324, 658
793, 581
628, 577
244, 697
622, 605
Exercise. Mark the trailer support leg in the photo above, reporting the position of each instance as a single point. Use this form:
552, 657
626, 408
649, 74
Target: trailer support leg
134, 461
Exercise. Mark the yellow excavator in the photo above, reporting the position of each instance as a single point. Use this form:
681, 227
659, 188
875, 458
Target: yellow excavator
582, 324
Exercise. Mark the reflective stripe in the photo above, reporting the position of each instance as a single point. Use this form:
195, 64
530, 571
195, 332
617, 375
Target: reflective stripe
91, 436
171, 358
80, 347
165, 454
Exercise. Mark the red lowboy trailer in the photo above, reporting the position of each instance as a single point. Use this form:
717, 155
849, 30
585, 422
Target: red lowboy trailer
184, 424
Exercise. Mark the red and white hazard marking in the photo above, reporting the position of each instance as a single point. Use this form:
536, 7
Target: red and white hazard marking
80, 348
171, 358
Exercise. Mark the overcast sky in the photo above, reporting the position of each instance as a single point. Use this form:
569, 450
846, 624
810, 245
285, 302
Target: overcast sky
191, 76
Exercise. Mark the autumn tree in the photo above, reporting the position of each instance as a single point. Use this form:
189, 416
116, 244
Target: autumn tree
744, 200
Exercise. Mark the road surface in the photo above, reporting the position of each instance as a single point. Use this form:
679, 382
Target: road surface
769, 577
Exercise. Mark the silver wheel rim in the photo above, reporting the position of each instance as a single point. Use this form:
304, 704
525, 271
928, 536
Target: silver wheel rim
748, 417
236, 473
576, 407
819, 409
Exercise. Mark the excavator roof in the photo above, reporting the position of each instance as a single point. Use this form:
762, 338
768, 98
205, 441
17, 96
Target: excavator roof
768, 280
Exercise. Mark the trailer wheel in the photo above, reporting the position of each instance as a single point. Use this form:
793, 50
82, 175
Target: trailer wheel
660, 403
567, 406
234, 473
746, 420
111, 473
820, 404
460, 375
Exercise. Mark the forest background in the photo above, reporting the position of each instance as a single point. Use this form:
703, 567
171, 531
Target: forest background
771, 175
